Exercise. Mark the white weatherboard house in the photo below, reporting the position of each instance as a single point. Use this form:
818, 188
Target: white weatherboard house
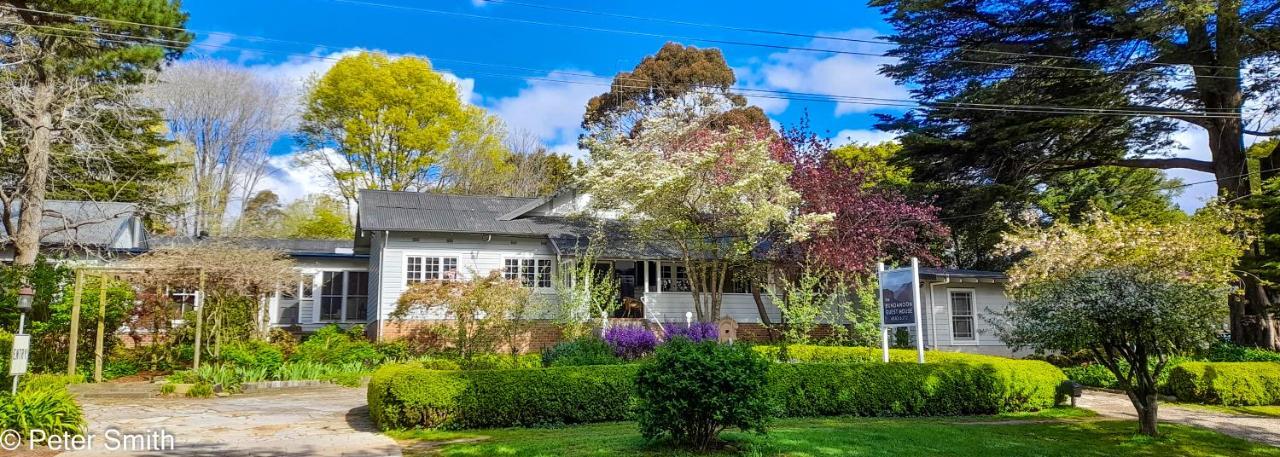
407, 237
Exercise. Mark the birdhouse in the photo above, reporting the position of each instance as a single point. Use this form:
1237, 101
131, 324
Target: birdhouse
728, 329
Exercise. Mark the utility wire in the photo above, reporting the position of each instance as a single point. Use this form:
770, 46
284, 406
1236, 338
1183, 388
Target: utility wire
816, 36
747, 43
757, 93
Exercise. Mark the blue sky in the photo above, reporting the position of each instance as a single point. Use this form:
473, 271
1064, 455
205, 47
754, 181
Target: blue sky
521, 58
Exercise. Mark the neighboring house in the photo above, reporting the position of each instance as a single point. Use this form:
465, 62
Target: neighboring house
407, 237
84, 230
414, 237
957, 305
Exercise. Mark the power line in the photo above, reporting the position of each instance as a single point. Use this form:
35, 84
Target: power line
814, 36
758, 93
742, 43
1120, 194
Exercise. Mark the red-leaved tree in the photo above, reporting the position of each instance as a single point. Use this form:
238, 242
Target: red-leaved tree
871, 223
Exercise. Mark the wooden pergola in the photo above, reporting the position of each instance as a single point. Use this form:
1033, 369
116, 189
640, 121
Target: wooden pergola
78, 292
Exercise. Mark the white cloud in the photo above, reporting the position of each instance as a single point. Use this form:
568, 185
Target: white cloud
851, 136
292, 182
827, 74
550, 110
212, 42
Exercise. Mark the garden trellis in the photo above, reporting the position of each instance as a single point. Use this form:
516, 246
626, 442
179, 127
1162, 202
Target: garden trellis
218, 270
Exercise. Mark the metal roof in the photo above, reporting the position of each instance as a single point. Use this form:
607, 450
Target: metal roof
83, 223
293, 247
945, 273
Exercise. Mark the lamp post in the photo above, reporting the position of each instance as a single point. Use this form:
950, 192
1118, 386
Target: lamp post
21, 341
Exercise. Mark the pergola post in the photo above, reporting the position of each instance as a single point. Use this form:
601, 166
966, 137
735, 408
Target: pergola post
74, 337
102, 317
199, 320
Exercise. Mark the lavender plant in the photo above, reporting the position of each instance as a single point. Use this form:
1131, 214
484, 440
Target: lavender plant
630, 342
695, 332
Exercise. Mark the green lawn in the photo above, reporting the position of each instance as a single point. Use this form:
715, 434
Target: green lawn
1268, 411
1058, 432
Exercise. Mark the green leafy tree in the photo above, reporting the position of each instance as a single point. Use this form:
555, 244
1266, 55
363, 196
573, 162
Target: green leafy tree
877, 162
262, 215
675, 70
1120, 76
69, 93
1130, 193
713, 193
373, 122
317, 216
1131, 293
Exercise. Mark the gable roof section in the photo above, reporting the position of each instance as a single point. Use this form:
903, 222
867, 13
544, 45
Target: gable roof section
83, 223
424, 212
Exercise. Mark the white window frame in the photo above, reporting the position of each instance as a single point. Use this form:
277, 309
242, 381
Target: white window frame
441, 266
317, 296
973, 314
540, 276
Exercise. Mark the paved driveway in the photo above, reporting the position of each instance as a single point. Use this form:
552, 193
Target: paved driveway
1256, 428
320, 421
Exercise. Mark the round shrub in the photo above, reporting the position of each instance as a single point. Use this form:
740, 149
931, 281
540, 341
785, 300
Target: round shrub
1092, 375
1227, 352
630, 342
255, 355
331, 345
690, 392
579, 352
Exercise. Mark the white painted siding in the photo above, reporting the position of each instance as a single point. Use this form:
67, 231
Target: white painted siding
671, 306
987, 299
476, 254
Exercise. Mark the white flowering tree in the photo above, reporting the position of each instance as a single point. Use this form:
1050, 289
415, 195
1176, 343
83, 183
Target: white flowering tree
1131, 293
684, 179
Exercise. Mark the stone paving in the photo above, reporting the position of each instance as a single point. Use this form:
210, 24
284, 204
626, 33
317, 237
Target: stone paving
311, 421
1256, 428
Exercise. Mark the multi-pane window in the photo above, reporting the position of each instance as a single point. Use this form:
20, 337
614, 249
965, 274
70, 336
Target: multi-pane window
357, 301
344, 296
422, 269
962, 315
331, 293
674, 279
530, 272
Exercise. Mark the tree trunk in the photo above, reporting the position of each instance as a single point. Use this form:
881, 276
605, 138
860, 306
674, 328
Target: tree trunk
1252, 322
1147, 407
26, 243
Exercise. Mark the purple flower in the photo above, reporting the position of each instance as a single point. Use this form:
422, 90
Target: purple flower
699, 331
630, 343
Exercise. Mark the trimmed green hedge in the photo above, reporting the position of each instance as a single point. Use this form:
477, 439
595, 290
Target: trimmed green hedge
1227, 383
856, 354
403, 396
910, 389
407, 395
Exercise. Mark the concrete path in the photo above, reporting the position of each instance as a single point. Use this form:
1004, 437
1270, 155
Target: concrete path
1255, 428
313, 421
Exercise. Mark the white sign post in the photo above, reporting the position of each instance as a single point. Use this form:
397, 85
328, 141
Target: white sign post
19, 353
900, 304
